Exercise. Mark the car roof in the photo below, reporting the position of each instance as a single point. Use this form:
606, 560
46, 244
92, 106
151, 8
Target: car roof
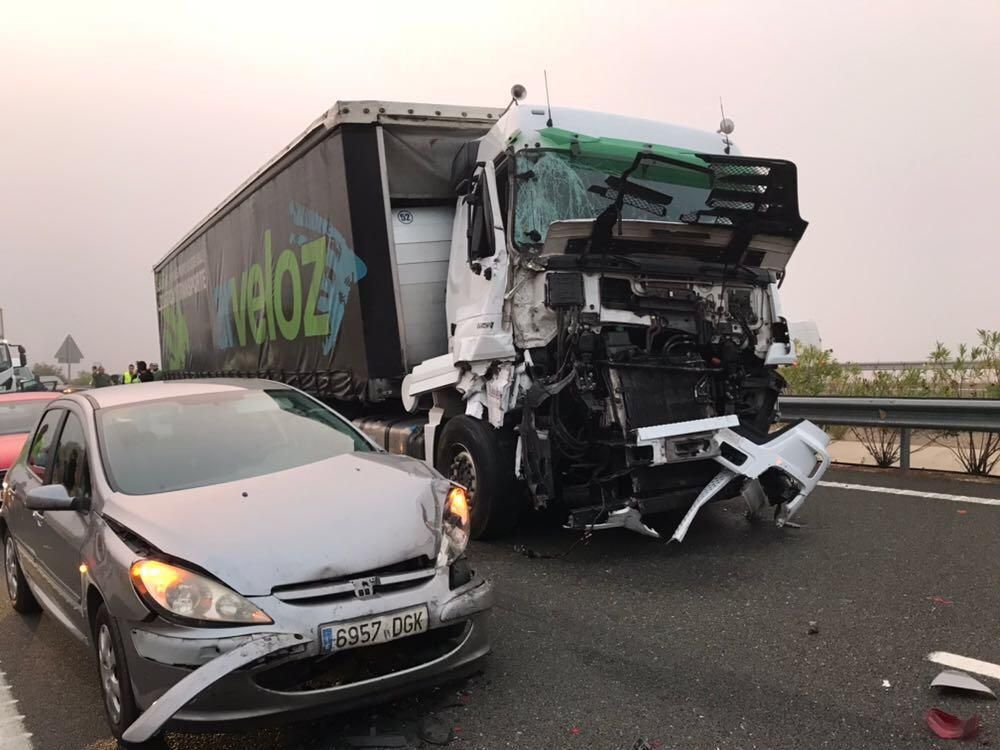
29, 396
137, 393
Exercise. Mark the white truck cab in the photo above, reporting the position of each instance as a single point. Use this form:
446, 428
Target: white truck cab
12, 359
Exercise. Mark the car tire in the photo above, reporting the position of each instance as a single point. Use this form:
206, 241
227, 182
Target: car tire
481, 458
21, 598
113, 677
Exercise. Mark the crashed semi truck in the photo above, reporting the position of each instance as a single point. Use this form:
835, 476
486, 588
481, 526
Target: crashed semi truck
556, 308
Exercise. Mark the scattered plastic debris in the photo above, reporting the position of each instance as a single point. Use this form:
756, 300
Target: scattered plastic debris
813, 628
886, 684
641, 744
940, 600
950, 727
952, 679
574, 730
435, 732
962, 512
377, 741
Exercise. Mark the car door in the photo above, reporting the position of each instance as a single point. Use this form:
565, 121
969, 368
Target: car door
61, 536
32, 471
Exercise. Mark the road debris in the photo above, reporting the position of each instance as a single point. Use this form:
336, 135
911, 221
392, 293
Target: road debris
377, 741
813, 628
950, 727
952, 679
886, 684
940, 600
434, 731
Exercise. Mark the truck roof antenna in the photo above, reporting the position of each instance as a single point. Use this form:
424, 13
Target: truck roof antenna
726, 127
545, 73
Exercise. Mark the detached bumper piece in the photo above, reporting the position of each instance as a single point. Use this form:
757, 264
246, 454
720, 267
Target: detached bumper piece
793, 460
153, 719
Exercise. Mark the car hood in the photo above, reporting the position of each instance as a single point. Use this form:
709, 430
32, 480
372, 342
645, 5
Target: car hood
10, 448
349, 514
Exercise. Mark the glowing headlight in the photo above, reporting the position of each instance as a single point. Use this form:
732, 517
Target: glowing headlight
173, 591
456, 525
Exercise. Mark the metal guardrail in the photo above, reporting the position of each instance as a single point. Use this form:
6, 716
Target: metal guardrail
975, 414
887, 366
906, 414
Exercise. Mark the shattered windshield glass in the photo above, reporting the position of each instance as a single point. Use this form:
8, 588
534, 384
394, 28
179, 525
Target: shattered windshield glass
555, 185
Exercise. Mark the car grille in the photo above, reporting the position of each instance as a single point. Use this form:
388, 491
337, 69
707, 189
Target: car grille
363, 663
407, 574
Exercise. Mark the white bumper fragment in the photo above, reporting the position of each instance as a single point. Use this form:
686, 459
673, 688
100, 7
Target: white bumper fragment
800, 452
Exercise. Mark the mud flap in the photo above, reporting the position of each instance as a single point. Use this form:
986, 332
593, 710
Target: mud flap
172, 701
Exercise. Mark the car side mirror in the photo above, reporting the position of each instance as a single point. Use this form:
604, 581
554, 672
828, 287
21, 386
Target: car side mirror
54, 497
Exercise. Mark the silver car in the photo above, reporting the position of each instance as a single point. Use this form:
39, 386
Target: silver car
235, 550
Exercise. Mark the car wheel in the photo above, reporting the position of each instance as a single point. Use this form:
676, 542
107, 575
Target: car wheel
480, 458
113, 674
21, 598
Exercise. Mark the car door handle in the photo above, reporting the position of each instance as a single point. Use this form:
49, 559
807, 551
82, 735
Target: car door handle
38, 516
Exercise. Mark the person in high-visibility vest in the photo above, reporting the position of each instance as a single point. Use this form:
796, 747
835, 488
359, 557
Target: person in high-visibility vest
130, 375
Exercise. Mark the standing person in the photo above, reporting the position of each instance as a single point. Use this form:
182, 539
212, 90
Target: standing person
155, 369
130, 376
100, 379
142, 372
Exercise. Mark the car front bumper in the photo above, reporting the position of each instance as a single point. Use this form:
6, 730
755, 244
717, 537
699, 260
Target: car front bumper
281, 672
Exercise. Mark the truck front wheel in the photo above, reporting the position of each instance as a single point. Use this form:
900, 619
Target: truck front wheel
481, 459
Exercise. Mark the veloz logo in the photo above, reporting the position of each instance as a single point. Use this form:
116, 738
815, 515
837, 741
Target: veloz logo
364, 587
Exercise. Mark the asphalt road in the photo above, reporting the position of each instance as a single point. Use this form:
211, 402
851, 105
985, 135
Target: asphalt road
699, 645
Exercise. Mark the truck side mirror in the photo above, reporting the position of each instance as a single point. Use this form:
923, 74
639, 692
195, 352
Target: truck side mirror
22, 356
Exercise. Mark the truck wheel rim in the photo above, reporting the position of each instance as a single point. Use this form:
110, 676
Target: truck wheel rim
109, 674
463, 471
10, 566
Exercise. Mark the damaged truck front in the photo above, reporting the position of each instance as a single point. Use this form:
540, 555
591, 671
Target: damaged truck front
617, 321
560, 309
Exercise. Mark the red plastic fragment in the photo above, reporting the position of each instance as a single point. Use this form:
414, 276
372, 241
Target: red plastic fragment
575, 730
941, 600
950, 727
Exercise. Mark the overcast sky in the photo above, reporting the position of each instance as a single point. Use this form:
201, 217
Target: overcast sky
121, 127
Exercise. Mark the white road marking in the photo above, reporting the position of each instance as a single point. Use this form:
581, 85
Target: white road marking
12, 733
912, 493
965, 664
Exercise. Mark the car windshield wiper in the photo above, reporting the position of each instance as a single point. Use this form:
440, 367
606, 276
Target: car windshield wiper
600, 236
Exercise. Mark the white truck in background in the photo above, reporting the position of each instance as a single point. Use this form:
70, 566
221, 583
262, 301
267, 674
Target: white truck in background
13, 362
556, 308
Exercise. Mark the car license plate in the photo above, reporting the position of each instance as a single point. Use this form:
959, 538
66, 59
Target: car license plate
373, 630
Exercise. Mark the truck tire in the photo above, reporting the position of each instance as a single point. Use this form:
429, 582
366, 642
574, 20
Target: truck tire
481, 459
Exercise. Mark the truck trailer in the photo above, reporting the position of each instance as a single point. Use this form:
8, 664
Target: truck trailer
558, 309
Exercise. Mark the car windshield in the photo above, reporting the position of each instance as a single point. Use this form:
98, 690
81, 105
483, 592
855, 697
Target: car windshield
179, 443
19, 416
556, 185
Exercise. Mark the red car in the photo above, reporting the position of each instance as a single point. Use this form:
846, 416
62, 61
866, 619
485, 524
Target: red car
18, 414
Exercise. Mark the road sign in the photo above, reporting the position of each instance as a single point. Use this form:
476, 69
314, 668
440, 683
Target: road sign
69, 353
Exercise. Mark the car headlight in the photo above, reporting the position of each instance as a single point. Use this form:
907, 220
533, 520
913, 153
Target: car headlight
455, 536
175, 592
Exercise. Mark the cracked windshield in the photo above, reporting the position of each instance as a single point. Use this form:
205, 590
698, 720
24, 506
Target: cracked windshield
554, 185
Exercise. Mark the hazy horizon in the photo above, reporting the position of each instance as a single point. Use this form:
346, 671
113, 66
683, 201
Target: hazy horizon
125, 126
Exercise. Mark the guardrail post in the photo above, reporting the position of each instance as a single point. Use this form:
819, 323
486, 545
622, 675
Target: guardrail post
904, 448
